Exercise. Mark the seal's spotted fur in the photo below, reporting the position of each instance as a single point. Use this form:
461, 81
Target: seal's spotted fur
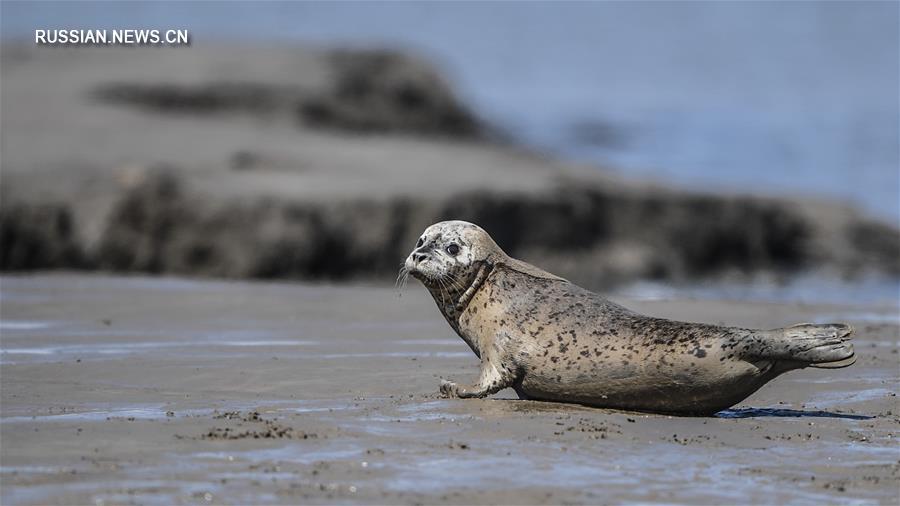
552, 340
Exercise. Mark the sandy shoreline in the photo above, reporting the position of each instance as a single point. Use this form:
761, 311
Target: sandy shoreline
162, 390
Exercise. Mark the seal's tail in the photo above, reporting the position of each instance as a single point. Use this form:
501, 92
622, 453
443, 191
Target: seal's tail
826, 346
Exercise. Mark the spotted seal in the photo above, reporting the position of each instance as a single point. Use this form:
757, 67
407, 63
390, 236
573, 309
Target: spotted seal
552, 340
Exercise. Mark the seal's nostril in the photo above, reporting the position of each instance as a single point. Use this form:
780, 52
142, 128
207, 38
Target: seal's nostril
418, 257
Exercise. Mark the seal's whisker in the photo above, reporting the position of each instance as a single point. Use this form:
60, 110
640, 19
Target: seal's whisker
450, 276
402, 278
463, 285
455, 282
441, 292
444, 280
444, 291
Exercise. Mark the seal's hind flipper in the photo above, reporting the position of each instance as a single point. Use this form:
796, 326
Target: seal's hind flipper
825, 346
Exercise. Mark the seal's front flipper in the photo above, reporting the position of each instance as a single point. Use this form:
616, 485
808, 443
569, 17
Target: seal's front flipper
478, 390
452, 390
490, 381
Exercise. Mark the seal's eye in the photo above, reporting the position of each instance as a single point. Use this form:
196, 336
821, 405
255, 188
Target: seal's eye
421, 242
453, 250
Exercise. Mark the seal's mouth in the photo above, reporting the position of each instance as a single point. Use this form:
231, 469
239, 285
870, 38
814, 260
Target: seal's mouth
408, 270
423, 277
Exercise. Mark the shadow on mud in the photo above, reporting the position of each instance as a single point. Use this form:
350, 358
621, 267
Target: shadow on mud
786, 413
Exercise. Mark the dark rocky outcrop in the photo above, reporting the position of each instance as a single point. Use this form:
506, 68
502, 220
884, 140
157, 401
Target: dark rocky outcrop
211, 98
370, 91
384, 91
593, 234
39, 236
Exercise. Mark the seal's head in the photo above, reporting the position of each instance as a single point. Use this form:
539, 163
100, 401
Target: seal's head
449, 252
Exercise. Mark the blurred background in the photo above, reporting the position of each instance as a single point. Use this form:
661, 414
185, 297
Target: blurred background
738, 147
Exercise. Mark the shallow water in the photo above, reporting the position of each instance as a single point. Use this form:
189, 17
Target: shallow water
880, 292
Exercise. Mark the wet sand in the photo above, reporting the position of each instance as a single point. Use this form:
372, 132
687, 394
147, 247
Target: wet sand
169, 391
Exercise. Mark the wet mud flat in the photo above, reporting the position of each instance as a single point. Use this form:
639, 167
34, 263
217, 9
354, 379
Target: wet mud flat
161, 390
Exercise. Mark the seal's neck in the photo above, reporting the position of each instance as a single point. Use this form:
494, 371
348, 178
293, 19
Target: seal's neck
452, 298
